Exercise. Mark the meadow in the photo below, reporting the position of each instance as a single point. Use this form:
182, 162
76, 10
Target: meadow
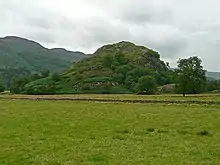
69, 132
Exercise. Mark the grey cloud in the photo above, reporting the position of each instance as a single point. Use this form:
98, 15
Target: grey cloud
141, 11
31, 21
175, 28
136, 11
38, 22
168, 40
103, 31
52, 21
148, 22
41, 36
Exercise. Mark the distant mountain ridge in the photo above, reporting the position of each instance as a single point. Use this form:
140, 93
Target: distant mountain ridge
20, 52
17, 54
210, 75
213, 75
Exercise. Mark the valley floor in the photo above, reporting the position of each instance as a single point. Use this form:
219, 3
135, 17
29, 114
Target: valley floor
132, 98
69, 132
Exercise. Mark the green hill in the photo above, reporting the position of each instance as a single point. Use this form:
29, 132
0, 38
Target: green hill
19, 54
113, 68
213, 75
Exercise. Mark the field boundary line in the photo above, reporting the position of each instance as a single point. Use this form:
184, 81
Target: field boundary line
114, 100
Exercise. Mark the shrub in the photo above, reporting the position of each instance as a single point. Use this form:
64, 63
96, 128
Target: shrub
125, 131
150, 130
146, 85
203, 133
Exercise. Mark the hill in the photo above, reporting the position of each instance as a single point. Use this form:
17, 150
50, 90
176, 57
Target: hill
213, 75
19, 54
114, 68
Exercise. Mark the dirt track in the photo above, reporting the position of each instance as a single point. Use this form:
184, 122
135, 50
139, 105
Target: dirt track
65, 98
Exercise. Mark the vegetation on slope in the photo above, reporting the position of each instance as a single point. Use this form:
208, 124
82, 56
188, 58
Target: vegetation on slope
124, 68
114, 68
117, 65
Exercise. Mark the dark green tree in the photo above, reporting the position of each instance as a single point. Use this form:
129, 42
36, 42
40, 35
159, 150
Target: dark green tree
55, 77
146, 85
113, 61
121, 73
212, 85
190, 76
2, 88
107, 60
45, 73
121, 58
8, 74
18, 84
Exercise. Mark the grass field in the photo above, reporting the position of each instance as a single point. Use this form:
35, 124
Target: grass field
75, 133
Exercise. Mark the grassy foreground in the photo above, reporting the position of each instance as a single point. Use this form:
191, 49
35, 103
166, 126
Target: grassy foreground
67, 133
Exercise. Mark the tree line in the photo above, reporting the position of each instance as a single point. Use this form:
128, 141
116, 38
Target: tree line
189, 78
17, 83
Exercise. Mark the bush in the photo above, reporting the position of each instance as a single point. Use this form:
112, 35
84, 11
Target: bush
150, 130
146, 85
204, 133
41, 89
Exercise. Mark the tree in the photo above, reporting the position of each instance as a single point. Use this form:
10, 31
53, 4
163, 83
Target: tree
146, 84
121, 58
2, 88
190, 75
35, 76
55, 77
121, 73
212, 85
18, 84
113, 61
45, 73
107, 60
7, 74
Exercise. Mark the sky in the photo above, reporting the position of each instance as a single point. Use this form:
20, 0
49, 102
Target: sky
175, 28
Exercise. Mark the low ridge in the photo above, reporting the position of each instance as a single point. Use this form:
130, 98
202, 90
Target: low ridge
113, 68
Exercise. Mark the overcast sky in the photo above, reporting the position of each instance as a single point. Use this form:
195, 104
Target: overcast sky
175, 28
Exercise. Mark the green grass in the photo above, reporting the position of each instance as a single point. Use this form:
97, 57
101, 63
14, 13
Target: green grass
66, 133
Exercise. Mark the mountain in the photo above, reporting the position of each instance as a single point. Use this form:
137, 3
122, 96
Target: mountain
213, 75
113, 68
23, 54
18, 52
